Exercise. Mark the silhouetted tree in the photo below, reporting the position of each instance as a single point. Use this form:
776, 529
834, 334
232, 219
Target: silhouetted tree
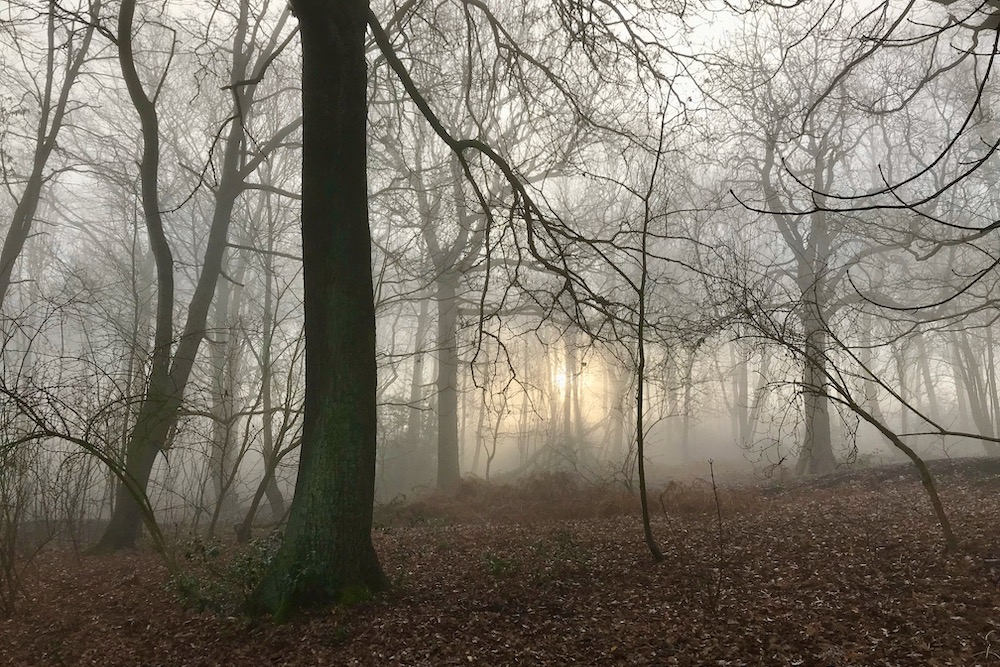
327, 554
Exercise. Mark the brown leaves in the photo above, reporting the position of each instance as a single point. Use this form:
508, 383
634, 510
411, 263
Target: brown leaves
847, 575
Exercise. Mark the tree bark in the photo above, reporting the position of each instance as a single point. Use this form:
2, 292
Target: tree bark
924, 360
327, 554
448, 469
270, 447
617, 389
741, 393
414, 414
816, 456
812, 247
976, 389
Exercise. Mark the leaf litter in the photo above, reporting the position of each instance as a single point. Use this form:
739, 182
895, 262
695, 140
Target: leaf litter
842, 572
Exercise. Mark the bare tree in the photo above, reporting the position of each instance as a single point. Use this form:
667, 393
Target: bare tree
171, 366
67, 48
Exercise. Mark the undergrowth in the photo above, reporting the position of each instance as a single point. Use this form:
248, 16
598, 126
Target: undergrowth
217, 577
552, 496
549, 496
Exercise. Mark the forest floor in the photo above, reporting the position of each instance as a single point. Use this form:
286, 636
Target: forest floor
843, 570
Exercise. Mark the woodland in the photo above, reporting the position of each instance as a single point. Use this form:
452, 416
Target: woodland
477, 332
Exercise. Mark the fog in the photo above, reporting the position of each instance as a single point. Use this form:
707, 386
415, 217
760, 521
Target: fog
783, 236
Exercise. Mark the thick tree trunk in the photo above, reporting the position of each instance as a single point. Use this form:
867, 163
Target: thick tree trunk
816, 456
327, 554
152, 428
976, 389
448, 468
812, 246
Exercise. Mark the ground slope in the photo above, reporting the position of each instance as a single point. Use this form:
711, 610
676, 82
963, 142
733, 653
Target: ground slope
850, 573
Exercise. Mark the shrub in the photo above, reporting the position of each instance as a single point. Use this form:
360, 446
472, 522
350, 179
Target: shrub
498, 566
217, 580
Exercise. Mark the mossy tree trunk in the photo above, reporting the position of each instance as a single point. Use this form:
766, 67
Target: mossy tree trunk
327, 554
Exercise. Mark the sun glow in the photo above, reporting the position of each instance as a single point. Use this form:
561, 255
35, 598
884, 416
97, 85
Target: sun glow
560, 380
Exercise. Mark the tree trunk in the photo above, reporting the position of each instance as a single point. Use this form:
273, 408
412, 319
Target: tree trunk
816, 456
327, 555
899, 357
270, 448
410, 460
869, 388
152, 426
569, 371
268, 485
812, 247
640, 387
226, 362
976, 390
480, 439
616, 389
166, 386
923, 359
741, 393
686, 423
448, 469
759, 394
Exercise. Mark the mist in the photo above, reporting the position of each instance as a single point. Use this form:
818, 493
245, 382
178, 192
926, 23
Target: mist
617, 255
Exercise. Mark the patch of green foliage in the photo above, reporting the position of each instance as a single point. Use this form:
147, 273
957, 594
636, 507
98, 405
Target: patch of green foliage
354, 595
220, 579
499, 566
